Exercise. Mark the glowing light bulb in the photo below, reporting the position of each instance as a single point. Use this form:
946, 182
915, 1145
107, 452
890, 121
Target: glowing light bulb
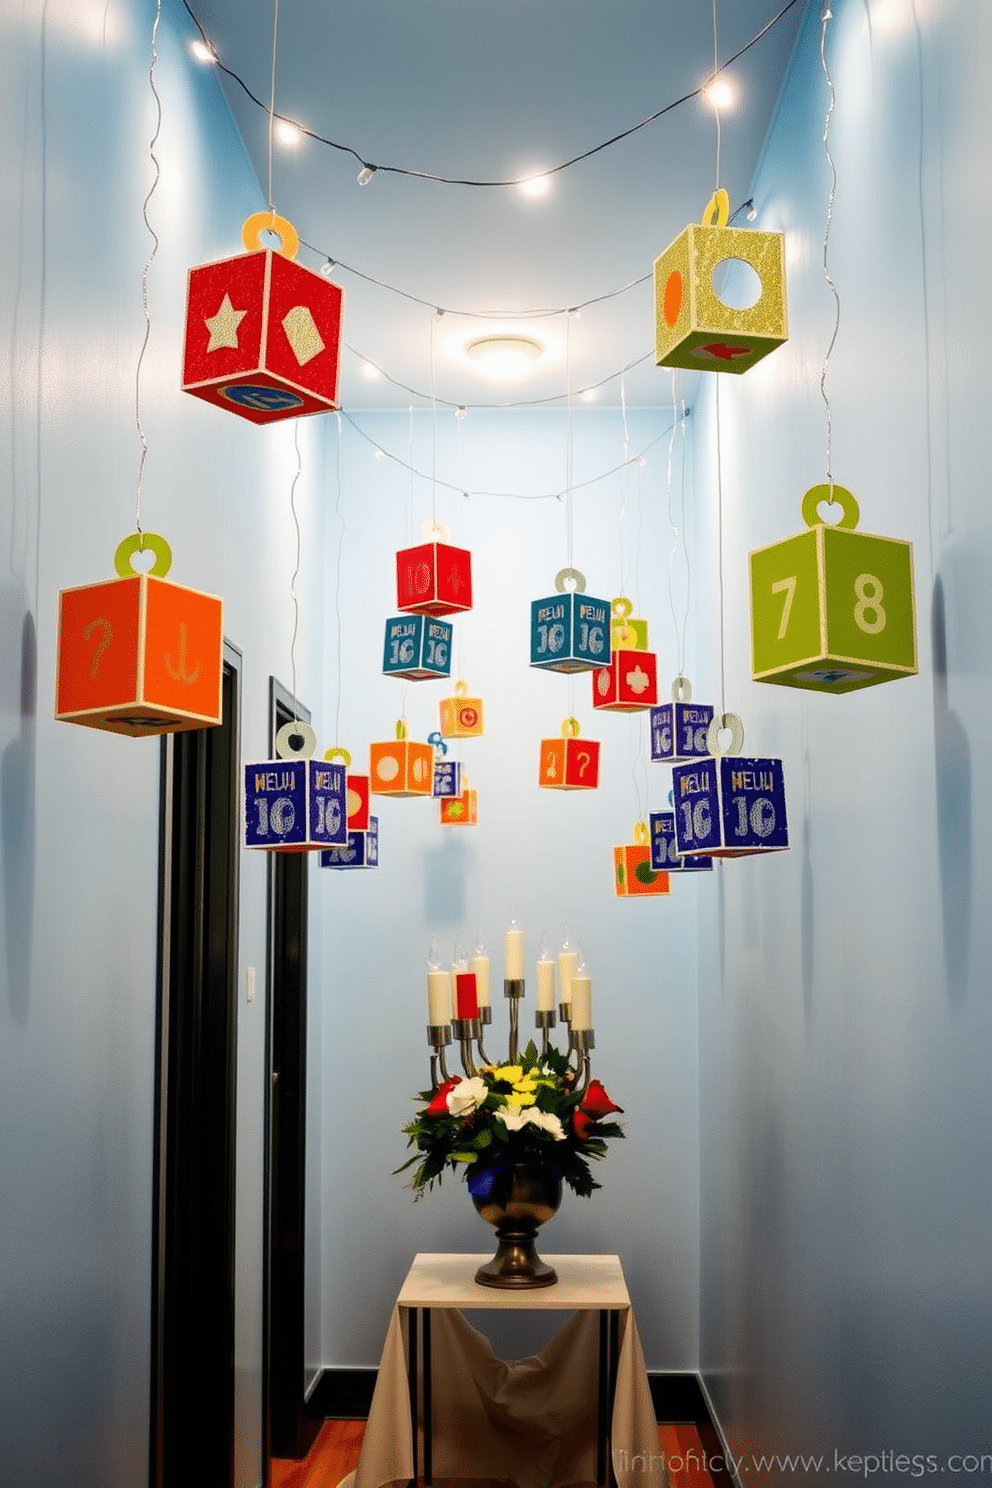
286, 133
365, 174
370, 371
534, 186
202, 51
719, 93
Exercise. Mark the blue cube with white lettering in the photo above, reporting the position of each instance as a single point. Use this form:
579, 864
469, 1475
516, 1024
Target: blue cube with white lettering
678, 731
360, 851
417, 647
664, 855
447, 778
730, 807
295, 805
570, 632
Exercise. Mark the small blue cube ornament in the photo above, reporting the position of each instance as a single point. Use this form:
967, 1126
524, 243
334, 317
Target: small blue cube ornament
447, 772
417, 647
570, 631
664, 855
727, 805
679, 729
295, 803
360, 851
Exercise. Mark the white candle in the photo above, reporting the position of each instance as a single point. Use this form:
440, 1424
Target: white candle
567, 963
480, 965
438, 998
545, 999
513, 953
581, 1000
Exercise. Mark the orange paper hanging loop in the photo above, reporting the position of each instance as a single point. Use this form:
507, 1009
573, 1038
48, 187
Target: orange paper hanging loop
259, 222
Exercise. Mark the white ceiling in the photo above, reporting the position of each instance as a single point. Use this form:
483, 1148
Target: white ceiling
494, 92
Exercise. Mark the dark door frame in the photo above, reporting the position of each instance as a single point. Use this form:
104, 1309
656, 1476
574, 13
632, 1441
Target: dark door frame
287, 1429
191, 1440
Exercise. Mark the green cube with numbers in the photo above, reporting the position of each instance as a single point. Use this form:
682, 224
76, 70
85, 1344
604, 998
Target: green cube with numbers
832, 609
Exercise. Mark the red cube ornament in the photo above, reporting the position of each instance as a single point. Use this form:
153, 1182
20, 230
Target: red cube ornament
263, 334
138, 655
357, 805
628, 684
434, 578
569, 763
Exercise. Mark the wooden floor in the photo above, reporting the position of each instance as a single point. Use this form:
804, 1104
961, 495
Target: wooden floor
335, 1453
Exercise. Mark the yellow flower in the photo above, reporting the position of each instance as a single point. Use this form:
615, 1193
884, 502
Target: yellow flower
511, 1073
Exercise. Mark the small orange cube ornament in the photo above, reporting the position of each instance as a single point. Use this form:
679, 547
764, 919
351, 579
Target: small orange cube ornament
461, 715
633, 875
460, 811
401, 766
569, 762
138, 655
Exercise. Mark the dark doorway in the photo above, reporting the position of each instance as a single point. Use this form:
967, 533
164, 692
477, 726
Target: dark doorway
192, 1436
290, 1433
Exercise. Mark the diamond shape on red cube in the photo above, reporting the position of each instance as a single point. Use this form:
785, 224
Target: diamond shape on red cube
628, 683
434, 578
263, 334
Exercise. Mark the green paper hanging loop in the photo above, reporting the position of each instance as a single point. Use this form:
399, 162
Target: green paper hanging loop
570, 580
338, 752
140, 542
717, 207
835, 495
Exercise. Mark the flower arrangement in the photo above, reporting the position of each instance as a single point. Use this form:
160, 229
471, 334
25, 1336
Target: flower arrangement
482, 1124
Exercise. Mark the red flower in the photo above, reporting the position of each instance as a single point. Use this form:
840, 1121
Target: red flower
439, 1104
596, 1103
581, 1124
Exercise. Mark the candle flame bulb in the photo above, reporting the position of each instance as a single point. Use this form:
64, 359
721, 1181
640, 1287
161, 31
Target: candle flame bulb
433, 960
545, 954
480, 945
566, 944
460, 958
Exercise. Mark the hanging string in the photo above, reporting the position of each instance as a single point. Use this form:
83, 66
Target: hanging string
624, 566
825, 17
272, 99
337, 581
678, 539
719, 528
460, 490
568, 436
144, 275
716, 109
443, 180
434, 320
296, 570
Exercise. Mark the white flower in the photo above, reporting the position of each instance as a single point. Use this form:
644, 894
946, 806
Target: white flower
515, 1118
467, 1096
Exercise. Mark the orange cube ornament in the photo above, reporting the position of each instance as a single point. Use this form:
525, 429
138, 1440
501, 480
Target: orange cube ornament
263, 334
138, 655
633, 875
401, 766
461, 715
434, 578
460, 811
569, 763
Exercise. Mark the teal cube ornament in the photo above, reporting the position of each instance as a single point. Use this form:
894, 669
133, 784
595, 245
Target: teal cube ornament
570, 631
832, 609
417, 647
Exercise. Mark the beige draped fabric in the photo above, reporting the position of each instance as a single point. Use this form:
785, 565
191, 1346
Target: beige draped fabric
532, 1422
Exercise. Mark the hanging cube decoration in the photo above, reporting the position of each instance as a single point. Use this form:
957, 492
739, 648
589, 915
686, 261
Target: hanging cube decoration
679, 729
401, 766
627, 631
461, 715
627, 684
461, 810
728, 805
417, 648
633, 875
447, 779
434, 578
664, 854
569, 762
360, 851
295, 803
832, 609
570, 631
356, 790
694, 326
139, 655
263, 334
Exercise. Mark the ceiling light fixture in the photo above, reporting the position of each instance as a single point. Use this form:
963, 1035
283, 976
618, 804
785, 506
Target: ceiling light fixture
506, 358
365, 174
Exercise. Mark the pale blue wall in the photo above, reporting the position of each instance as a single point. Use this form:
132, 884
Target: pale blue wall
845, 1012
549, 853
79, 809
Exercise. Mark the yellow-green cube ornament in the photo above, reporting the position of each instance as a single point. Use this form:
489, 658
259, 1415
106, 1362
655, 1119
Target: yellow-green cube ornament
694, 327
832, 609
